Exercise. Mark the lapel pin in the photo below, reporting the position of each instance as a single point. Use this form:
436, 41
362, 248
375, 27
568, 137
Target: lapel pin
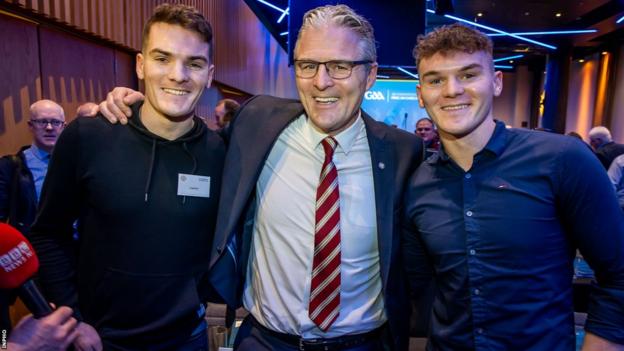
381, 165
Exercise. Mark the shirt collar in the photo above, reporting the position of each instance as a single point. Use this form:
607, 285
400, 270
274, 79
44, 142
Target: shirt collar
39, 153
496, 144
345, 139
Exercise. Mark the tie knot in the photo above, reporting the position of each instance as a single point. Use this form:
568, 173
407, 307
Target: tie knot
329, 145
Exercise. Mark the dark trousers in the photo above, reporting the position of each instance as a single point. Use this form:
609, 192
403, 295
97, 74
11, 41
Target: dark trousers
252, 338
197, 341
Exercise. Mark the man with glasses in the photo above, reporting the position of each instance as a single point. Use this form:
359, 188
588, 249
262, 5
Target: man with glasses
22, 175
308, 231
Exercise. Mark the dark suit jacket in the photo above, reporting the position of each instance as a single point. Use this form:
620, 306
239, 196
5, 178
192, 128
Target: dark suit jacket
258, 124
608, 152
18, 197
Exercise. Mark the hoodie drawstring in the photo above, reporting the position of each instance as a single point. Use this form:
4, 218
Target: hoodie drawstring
194, 164
151, 170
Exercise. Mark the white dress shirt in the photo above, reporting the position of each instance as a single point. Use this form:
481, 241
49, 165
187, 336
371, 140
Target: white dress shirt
277, 285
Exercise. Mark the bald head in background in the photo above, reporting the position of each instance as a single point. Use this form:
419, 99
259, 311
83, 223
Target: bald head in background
47, 120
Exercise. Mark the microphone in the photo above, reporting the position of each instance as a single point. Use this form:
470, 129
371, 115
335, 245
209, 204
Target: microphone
18, 264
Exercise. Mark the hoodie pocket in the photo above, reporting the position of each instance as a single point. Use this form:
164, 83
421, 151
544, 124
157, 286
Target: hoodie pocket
132, 304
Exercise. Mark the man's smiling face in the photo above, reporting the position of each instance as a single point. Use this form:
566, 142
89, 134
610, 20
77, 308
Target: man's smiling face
176, 69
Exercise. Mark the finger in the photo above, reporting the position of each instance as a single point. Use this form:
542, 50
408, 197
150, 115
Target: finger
113, 102
60, 315
106, 113
71, 338
69, 326
119, 95
132, 98
112, 108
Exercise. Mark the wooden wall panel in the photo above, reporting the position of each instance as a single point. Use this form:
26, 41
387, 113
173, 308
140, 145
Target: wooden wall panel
125, 72
247, 56
20, 81
74, 70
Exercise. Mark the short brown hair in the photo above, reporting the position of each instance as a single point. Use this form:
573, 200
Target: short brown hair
184, 16
451, 38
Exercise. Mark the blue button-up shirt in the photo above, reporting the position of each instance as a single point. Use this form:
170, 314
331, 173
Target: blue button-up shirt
501, 239
37, 161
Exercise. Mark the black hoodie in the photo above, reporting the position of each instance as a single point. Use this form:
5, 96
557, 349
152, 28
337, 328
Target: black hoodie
137, 271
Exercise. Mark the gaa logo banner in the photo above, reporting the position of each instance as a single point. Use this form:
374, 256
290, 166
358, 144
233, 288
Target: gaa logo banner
374, 95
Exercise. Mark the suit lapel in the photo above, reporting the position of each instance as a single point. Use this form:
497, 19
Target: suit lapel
383, 163
253, 141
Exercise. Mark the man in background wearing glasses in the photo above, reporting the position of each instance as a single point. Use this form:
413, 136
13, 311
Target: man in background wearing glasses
22, 175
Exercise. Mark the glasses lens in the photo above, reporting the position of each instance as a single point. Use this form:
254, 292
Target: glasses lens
339, 70
306, 69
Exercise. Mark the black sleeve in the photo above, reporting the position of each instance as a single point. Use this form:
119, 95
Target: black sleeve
6, 177
52, 232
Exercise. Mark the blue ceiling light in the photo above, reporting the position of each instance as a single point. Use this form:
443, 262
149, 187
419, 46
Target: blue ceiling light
620, 20
508, 58
283, 33
554, 32
284, 14
503, 66
382, 76
272, 6
407, 72
501, 31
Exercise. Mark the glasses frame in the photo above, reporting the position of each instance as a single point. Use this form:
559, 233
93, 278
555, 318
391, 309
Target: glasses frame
43, 123
324, 63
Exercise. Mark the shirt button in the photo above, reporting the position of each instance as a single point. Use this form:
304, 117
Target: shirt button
473, 252
479, 330
477, 291
469, 213
468, 176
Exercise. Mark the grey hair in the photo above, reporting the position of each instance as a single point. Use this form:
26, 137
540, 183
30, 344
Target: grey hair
600, 132
345, 17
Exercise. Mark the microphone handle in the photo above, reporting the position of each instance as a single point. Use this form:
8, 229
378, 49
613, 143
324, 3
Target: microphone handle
34, 300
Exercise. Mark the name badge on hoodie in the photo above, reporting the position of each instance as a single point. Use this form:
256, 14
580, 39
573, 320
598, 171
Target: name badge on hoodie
193, 185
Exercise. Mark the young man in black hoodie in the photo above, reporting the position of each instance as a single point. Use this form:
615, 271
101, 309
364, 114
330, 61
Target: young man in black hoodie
146, 201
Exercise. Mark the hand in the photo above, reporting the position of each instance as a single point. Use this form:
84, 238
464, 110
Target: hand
593, 342
88, 339
55, 331
115, 108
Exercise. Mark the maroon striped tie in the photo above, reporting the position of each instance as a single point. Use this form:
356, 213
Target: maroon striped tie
325, 285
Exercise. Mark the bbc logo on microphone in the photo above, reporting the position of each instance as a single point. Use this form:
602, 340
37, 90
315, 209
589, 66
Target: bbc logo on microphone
16, 257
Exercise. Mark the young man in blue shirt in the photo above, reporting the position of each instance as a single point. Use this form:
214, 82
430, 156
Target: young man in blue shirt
498, 214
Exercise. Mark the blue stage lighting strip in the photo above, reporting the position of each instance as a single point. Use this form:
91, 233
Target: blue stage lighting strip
620, 20
553, 32
498, 31
508, 58
407, 72
503, 66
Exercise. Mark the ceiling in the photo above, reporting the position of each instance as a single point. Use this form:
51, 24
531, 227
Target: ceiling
512, 16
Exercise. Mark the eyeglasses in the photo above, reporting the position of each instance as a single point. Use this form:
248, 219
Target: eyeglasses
42, 123
336, 69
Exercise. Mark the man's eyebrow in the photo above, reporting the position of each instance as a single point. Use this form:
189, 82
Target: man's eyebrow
465, 68
167, 53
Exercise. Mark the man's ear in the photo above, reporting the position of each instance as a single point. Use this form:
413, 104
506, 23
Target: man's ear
139, 65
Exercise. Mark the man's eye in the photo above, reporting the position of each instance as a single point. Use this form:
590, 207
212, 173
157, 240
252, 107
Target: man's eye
307, 65
467, 76
196, 65
434, 81
341, 67
160, 58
